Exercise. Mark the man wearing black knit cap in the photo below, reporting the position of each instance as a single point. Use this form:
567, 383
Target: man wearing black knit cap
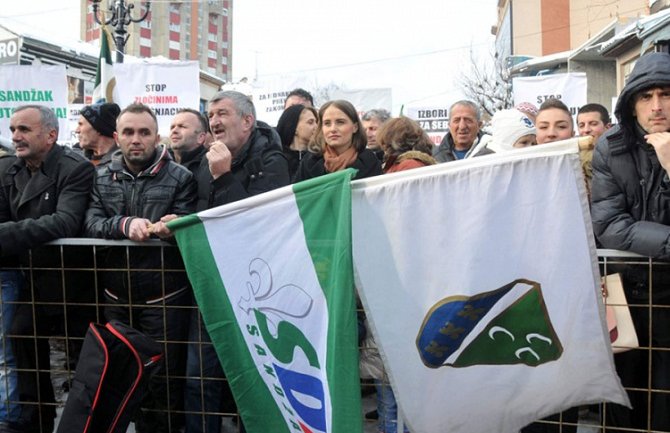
95, 129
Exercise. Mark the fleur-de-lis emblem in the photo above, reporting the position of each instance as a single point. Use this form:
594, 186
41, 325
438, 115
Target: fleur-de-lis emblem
277, 303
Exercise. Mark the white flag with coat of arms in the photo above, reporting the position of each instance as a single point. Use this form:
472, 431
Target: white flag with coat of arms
480, 283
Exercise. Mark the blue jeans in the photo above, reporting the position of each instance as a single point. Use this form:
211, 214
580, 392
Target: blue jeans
387, 408
10, 284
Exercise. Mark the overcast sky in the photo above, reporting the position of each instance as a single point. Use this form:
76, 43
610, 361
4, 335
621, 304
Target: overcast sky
418, 48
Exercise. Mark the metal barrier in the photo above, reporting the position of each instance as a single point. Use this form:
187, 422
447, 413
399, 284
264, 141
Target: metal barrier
64, 290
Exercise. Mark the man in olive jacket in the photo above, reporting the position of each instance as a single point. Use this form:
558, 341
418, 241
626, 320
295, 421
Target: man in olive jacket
631, 212
44, 193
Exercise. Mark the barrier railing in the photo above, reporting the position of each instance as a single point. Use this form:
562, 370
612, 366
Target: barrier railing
63, 290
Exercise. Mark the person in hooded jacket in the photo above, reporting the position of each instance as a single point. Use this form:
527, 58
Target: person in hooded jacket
339, 143
631, 212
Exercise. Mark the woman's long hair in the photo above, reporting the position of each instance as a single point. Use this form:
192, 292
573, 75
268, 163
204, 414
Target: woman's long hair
288, 123
359, 139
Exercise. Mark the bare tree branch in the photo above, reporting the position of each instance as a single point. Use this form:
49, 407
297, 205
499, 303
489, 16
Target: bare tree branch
488, 84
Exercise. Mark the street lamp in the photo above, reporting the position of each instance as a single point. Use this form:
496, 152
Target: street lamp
120, 19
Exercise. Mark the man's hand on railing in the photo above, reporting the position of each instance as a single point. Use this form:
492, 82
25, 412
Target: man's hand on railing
160, 229
139, 229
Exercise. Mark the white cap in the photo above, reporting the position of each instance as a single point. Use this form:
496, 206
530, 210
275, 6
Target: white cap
507, 127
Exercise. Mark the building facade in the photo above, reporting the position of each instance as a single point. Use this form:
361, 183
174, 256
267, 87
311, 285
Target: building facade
534, 28
200, 31
601, 39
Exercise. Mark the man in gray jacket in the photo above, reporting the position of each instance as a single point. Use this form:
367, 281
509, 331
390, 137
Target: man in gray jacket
464, 135
631, 212
44, 191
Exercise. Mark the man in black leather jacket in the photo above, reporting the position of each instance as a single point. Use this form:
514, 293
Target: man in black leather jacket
131, 199
631, 212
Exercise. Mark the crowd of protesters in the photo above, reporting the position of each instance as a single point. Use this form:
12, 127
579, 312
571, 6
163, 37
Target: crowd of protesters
123, 183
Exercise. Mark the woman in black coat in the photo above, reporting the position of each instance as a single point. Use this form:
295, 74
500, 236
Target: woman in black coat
296, 127
339, 143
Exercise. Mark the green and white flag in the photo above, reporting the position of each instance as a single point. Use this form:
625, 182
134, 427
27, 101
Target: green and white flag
273, 278
104, 75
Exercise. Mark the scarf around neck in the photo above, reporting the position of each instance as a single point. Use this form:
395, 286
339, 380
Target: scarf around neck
334, 162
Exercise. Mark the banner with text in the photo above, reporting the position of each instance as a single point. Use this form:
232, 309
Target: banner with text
165, 87
434, 120
569, 88
33, 84
269, 97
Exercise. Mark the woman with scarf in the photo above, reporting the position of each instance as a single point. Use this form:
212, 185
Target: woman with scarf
339, 143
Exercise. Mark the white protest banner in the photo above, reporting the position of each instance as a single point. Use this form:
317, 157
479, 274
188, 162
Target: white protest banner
434, 120
73, 114
569, 88
269, 97
34, 84
366, 99
165, 86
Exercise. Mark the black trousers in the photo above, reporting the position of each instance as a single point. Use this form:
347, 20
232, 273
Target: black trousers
166, 323
633, 367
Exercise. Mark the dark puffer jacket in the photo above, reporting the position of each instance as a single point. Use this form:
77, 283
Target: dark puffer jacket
631, 200
631, 191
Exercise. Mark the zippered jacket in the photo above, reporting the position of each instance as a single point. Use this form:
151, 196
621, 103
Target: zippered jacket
117, 198
631, 191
